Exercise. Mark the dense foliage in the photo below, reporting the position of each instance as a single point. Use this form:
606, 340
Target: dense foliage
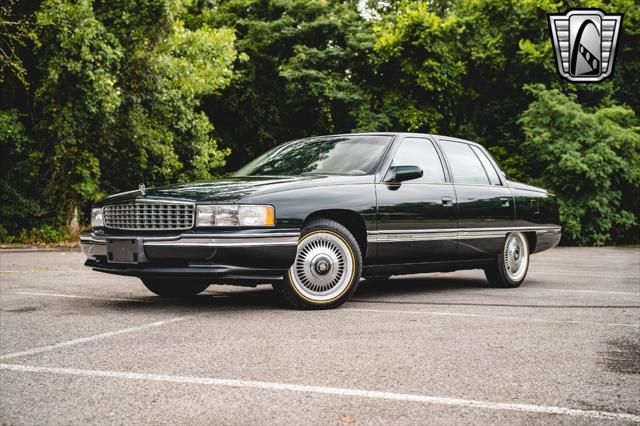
590, 155
100, 95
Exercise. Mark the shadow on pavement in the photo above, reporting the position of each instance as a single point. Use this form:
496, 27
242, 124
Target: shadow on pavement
404, 291
368, 293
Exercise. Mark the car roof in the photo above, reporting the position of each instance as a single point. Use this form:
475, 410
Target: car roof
405, 134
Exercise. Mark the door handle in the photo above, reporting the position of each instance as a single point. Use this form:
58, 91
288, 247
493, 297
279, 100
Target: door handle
447, 201
504, 202
535, 207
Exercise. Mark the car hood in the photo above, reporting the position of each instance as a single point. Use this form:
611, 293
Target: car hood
230, 190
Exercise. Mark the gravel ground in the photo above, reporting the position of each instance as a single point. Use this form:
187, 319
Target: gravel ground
79, 347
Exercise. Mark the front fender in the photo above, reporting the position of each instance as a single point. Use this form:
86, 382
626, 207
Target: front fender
293, 206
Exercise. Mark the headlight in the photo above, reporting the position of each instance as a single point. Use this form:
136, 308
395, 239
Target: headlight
235, 215
97, 218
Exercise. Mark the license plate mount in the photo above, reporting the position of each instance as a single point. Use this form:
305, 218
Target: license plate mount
125, 250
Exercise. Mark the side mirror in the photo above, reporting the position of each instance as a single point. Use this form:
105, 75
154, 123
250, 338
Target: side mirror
397, 174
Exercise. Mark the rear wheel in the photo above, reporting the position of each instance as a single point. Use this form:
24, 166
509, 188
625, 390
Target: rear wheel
326, 270
174, 288
511, 266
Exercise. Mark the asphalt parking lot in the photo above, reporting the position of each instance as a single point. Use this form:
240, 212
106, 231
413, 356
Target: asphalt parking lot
81, 347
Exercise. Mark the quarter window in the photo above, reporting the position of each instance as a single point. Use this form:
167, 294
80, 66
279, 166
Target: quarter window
465, 165
488, 167
421, 153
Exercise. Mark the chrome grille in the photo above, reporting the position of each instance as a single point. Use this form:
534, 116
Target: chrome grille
149, 216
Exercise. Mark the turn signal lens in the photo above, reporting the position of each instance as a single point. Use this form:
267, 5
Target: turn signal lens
97, 218
235, 215
256, 216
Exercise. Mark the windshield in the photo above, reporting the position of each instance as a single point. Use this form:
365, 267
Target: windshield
344, 155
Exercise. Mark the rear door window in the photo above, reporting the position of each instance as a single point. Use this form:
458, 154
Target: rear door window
488, 166
466, 167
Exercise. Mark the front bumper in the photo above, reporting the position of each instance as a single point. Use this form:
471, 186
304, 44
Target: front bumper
260, 255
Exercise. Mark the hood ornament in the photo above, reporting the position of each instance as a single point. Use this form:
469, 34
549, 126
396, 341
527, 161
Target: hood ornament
142, 188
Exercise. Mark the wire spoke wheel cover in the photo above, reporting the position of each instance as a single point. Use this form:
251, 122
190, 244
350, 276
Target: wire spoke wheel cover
516, 256
324, 267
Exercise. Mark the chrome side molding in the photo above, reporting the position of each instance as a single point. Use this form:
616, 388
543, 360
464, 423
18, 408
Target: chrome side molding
454, 233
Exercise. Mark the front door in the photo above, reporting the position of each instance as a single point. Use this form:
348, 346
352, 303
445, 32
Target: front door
486, 209
417, 219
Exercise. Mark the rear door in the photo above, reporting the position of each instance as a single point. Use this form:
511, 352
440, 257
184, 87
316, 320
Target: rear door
486, 209
417, 218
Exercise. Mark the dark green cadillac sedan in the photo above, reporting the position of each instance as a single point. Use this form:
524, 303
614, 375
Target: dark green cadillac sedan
314, 215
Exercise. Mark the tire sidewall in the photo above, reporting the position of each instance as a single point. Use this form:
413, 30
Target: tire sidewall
501, 263
299, 300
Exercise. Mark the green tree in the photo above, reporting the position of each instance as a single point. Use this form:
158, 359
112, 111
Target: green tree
420, 59
459, 67
76, 100
18, 172
15, 34
99, 95
590, 157
302, 71
19, 156
167, 67
118, 101
462, 67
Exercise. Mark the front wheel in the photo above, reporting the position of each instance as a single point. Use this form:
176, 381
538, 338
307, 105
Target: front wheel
326, 270
510, 266
174, 288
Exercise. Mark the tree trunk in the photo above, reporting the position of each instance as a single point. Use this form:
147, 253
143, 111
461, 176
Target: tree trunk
73, 227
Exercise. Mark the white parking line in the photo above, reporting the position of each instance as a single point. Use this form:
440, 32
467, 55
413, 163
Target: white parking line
583, 291
500, 317
47, 348
361, 393
577, 274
